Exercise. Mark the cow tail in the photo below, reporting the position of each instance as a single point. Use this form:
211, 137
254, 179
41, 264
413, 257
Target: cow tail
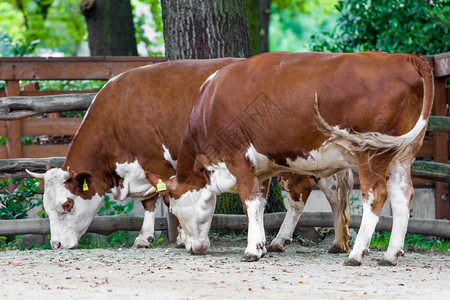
344, 188
375, 141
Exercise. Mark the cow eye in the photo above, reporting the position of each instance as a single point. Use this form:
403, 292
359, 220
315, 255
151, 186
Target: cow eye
68, 205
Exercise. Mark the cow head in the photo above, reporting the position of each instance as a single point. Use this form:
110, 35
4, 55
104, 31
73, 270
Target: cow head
194, 208
71, 203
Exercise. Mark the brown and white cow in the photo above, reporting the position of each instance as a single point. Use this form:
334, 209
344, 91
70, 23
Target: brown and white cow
271, 114
136, 123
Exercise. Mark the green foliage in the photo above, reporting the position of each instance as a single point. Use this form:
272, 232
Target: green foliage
111, 208
40, 25
413, 242
118, 239
16, 198
356, 205
407, 26
10, 242
293, 22
148, 24
18, 48
66, 85
229, 203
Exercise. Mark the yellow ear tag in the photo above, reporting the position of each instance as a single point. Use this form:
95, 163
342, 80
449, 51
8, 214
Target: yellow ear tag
161, 186
85, 186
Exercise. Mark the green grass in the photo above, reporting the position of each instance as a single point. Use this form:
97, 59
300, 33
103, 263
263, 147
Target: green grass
413, 242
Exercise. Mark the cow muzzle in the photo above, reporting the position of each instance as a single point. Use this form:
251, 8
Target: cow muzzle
197, 247
57, 245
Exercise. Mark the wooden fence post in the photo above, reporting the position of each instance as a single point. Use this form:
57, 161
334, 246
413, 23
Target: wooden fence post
13, 128
440, 149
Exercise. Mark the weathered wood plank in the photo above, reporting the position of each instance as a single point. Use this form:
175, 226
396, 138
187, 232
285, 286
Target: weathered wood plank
439, 123
108, 225
42, 151
16, 108
13, 128
69, 68
47, 126
431, 170
16, 166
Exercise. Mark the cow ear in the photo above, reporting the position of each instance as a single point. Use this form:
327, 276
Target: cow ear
200, 168
160, 184
83, 181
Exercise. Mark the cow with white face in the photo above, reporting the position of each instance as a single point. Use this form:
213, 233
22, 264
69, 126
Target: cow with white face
135, 124
69, 214
272, 114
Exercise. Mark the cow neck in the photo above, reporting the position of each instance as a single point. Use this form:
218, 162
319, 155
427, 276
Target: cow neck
189, 173
91, 155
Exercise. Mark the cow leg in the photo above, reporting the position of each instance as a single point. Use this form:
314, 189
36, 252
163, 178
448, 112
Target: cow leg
401, 192
298, 188
253, 202
337, 189
372, 176
147, 233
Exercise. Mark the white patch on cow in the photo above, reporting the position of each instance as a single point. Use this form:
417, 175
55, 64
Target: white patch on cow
66, 228
134, 183
168, 157
256, 239
195, 209
263, 166
324, 161
368, 223
290, 221
221, 179
400, 192
147, 230
209, 78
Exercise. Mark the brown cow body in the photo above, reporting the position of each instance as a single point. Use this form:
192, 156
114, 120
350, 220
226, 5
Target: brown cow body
136, 123
270, 114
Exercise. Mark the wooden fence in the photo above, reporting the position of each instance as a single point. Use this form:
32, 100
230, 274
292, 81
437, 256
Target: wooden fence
109, 224
17, 105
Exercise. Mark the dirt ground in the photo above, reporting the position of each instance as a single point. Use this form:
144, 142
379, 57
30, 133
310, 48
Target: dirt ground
171, 273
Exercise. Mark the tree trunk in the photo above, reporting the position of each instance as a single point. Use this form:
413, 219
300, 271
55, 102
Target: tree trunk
110, 27
198, 29
258, 14
205, 29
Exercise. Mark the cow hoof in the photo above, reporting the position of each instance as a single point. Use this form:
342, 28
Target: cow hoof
336, 249
140, 245
351, 262
249, 258
386, 263
275, 248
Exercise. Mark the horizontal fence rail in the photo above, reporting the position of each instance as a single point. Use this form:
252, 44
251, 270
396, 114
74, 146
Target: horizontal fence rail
19, 107
109, 224
15, 167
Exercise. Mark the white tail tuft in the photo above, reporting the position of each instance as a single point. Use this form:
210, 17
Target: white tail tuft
356, 141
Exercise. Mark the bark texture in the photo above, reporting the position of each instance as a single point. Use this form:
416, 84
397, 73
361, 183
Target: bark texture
110, 27
197, 29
